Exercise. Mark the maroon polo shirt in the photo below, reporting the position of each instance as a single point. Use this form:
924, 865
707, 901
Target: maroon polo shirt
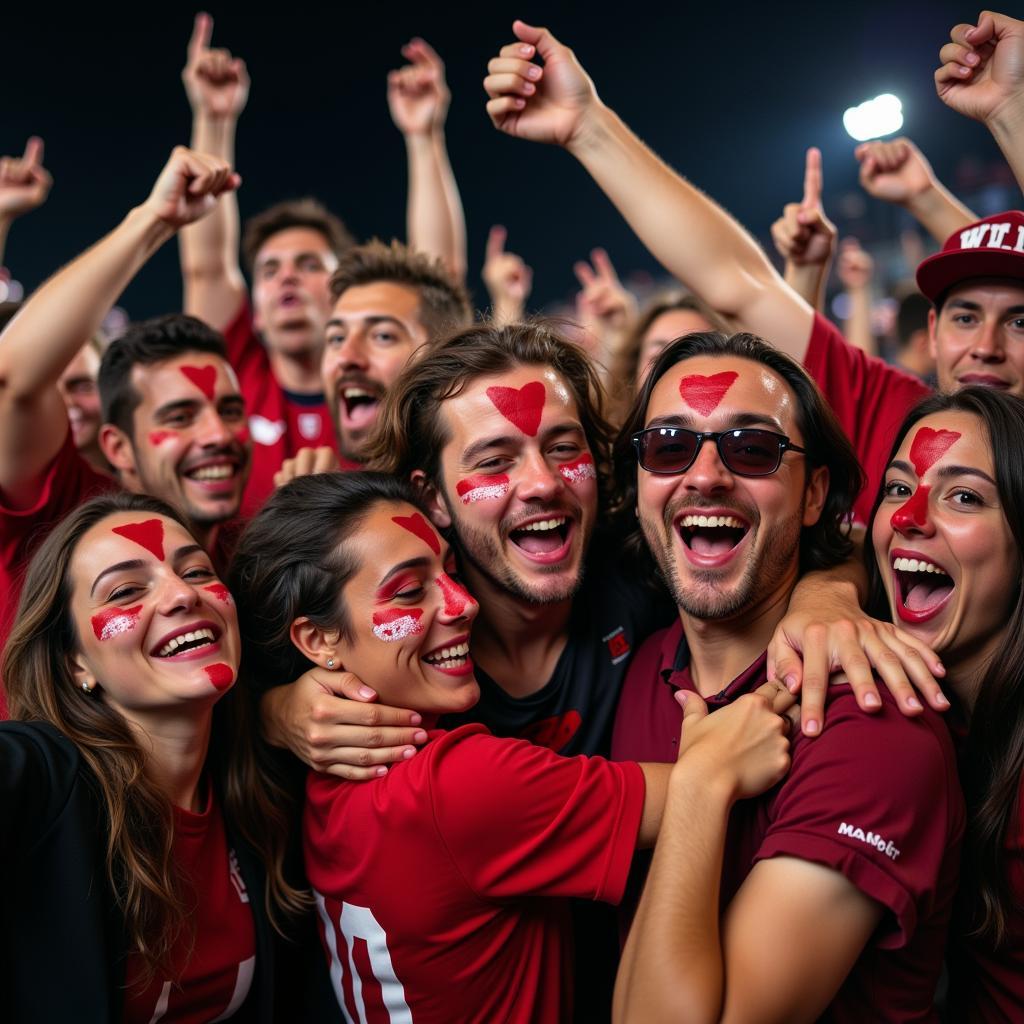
875, 797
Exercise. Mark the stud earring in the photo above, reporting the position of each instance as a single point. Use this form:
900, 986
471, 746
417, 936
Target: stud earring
330, 663
86, 688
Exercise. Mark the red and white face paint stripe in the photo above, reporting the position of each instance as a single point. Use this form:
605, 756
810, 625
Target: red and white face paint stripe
115, 621
397, 624
580, 471
482, 488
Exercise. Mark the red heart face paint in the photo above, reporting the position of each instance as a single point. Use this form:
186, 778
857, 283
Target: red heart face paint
482, 488
158, 437
580, 471
220, 592
204, 378
927, 448
221, 675
421, 528
705, 393
522, 407
113, 622
397, 624
148, 534
455, 597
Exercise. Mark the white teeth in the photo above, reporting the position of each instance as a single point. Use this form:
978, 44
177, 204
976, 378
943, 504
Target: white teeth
545, 524
212, 472
450, 657
175, 642
729, 521
357, 393
914, 565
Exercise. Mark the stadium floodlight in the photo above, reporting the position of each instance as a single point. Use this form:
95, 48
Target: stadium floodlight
874, 118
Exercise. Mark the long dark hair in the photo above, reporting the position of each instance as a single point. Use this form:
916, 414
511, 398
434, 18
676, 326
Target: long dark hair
992, 765
139, 817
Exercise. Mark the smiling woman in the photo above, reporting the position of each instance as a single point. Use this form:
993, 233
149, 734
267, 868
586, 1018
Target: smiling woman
948, 538
130, 807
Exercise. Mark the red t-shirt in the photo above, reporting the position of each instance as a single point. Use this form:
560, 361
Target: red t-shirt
875, 797
986, 985
869, 397
65, 483
441, 886
280, 422
213, 980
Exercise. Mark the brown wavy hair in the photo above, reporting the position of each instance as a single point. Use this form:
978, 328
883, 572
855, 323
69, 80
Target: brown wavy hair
41, 687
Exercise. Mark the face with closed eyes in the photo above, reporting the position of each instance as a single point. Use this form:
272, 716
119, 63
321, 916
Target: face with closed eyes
944, 549
157, 631
409, 616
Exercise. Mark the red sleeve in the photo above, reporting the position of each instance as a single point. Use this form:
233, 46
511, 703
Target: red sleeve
876, 798
869, 397
245, 350
518, 820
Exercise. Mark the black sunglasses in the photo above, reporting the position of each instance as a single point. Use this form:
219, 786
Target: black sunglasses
746, 451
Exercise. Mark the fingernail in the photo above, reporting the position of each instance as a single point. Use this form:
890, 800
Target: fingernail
791, 682
871, 700
940, 699
519, 104
419, 736
811, 727
913, 702
972, 58
682, 697
964, 71
533, 72
416, 718
408, 752
382, 770
529, 88
365, 691
526, 50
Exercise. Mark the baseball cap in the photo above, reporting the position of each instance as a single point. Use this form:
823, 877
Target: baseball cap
993, 247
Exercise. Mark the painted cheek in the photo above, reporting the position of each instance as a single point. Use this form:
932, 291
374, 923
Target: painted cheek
220, 592
456, 598
580, 471
115, 622
148, 534
220, 675
705, 393
397, 624
417, 525
913, 512
242, 435
522, 407
482, 488
157, 437
203, 377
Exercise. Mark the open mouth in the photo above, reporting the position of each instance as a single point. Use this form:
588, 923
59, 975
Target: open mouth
712, 536
360, 405
922, 588
452, 658
543, 539
188, 642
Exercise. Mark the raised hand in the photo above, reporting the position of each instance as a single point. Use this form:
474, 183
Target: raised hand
855, 267
507, 277
540, 103
982, 66
24, 181
803, 235
603, 303
896, 171
216, 83
418, 95
188, 187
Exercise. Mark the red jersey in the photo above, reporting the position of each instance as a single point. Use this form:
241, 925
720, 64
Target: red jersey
212, 977
280, 422
875, 797
869, 397
65, 483
441, 886
988, 985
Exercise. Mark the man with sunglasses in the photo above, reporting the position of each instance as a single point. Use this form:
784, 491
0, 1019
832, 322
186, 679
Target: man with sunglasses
742, 479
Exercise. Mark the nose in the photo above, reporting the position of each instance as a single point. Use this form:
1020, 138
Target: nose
708, 473
458, 602
213, 431
538, 479
352, 352
175, 594
911, 518
987, 345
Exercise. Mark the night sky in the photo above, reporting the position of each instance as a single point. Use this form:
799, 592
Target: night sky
728, 93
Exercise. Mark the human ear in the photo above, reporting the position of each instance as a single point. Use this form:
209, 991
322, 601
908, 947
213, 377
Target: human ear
316, 643
435, 504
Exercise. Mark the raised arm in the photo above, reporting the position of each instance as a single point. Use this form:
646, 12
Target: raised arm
555, 101
982, 76
48, 331
217, 86
24, 185
606, 309
507, 277
897, 172
418, 99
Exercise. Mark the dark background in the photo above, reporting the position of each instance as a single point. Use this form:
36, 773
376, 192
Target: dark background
729, 93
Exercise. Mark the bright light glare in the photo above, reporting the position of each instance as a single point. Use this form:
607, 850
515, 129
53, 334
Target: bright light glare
874, 118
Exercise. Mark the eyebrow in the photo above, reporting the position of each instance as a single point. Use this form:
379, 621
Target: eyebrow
409, 563
946, 472
137, 563
975, 307
373, 320
191, 404
477, 448
740, 420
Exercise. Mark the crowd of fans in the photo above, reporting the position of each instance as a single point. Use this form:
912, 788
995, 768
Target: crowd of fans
371, 657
